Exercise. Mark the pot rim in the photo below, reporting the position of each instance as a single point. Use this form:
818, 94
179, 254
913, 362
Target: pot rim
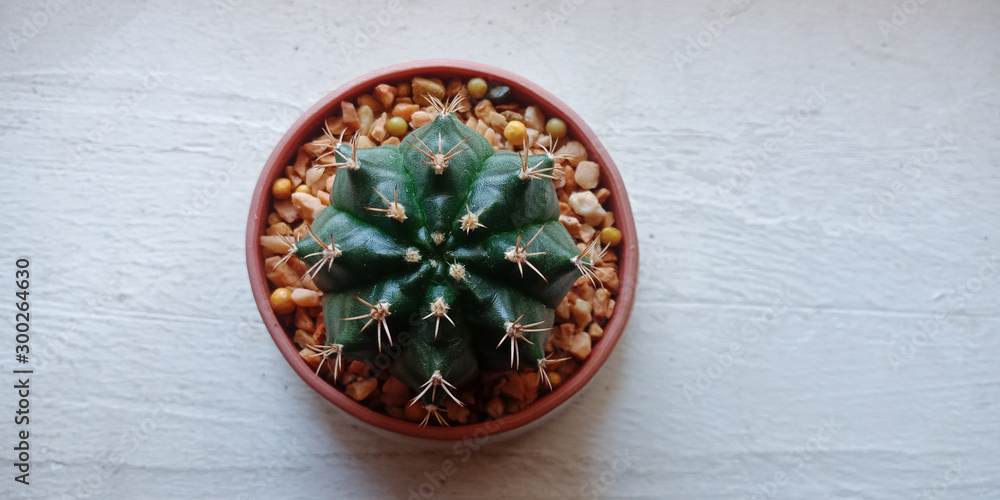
525, 92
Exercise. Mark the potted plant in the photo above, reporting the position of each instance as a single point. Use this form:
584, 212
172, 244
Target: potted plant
407, 235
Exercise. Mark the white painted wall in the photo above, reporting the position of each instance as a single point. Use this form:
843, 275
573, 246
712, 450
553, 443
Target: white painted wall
140, 294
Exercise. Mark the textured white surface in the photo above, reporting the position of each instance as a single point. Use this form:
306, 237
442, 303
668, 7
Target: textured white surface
156, 380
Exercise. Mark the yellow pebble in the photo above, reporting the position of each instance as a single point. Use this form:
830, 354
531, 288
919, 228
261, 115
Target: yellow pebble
303, 189
282, 188
396, 126
477, 87
281, 301
515, 132
611, 236
556, 128
555, 378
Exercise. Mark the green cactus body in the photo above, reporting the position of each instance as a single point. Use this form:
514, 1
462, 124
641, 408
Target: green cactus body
429, 237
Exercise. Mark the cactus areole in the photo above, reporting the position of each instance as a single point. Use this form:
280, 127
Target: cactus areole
442, 253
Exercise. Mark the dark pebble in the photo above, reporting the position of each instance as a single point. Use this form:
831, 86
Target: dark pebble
499, 95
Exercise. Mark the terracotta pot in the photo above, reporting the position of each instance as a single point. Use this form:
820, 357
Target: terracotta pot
525, 92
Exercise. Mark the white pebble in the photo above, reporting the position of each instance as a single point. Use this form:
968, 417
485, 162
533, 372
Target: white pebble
306, 298
585, 204
587, 174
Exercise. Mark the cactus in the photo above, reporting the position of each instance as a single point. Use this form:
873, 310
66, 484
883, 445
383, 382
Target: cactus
449, 240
